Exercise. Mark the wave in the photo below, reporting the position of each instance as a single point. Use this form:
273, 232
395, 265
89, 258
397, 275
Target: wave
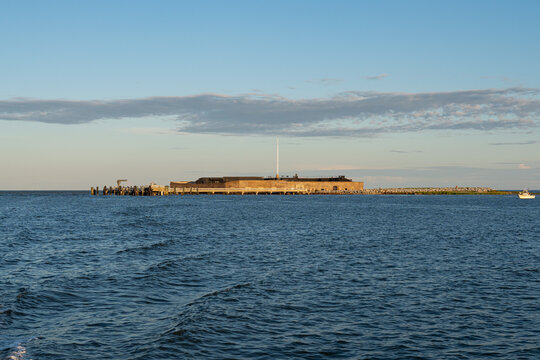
27, 301
222, 291
17, 354
195, 308
15, 348
147, 247
531, 272
6, 312
171, 263
9, 310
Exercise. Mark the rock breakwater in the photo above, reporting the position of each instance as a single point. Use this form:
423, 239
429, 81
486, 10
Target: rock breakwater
431, 190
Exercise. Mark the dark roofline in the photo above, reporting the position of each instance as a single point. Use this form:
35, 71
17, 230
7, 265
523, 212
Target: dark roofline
223, 179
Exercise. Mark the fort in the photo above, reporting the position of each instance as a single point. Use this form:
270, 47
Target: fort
231, 185
253, 184
241, 185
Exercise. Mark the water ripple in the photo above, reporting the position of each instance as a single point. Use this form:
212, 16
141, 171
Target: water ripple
268, 277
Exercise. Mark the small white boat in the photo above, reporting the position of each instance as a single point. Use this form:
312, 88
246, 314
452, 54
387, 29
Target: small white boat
525, 195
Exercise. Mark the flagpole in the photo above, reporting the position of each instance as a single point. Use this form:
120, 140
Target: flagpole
277, 158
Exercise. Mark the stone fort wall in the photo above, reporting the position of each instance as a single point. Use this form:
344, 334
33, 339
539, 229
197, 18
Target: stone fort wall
325, 186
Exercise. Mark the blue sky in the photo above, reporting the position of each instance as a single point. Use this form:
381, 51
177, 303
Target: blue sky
394, 93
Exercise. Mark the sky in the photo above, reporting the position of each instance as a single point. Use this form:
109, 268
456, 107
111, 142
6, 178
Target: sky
392, 93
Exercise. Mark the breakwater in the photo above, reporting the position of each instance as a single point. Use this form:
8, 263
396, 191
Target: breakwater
432, 191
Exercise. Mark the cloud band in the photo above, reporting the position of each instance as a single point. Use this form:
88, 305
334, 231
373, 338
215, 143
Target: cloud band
348, 114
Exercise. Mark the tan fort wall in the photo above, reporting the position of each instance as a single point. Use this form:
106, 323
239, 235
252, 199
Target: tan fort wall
352, 186
297, 185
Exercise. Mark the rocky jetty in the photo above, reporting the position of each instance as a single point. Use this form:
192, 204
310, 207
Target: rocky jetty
429, 190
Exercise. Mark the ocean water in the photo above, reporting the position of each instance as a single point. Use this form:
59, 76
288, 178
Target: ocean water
268, 277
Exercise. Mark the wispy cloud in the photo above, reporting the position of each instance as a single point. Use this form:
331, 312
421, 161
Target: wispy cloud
530, 142
327, 81
376, 77
351, 113
336, 168
406, 152
149, 131
516, 164
505, 79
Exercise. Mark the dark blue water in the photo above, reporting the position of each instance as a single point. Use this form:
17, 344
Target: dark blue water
378, 277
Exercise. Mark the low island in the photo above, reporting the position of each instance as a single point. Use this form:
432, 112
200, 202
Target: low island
244, 185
